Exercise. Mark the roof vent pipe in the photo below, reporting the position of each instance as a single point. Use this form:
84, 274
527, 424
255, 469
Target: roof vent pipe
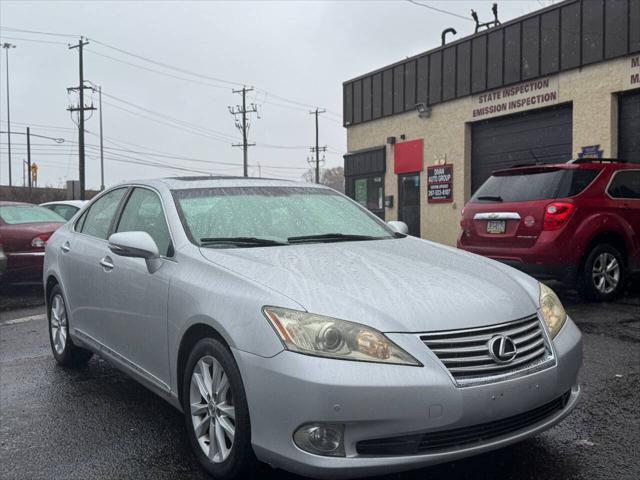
444, 34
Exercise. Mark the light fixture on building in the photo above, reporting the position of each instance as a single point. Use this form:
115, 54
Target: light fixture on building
391, 140
423, 110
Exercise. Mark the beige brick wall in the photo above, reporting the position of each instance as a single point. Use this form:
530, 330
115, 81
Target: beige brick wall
447, 134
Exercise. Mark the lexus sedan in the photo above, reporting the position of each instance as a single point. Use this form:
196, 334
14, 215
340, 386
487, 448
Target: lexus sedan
293, 327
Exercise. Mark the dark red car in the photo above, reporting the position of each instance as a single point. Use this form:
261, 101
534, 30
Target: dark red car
24, 232
572, 221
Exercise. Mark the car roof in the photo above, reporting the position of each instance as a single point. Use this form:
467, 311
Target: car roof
73, 203
578, 164
182, 183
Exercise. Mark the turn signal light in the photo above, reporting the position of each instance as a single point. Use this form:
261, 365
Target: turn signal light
556, 214
41, 240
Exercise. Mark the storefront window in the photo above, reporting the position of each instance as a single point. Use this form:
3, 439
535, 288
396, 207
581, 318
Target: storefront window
369, 193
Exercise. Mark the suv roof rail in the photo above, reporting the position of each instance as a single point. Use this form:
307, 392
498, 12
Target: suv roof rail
599, 160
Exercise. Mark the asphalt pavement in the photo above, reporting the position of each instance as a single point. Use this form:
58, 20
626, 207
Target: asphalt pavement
97, 423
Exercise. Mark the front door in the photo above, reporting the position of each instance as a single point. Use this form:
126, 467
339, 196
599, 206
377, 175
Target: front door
409, 202
136, 299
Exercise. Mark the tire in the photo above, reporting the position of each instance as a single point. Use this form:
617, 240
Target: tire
209, 363
603, 274
62, 347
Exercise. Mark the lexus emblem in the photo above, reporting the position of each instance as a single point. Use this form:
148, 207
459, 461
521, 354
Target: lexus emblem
502, 349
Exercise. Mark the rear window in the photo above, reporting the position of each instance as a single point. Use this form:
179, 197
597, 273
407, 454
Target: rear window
18, 214
525, 187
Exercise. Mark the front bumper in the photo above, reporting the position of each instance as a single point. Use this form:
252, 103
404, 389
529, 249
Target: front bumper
380, 401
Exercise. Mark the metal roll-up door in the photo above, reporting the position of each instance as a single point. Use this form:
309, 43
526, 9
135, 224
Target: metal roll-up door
538, 136
629, 127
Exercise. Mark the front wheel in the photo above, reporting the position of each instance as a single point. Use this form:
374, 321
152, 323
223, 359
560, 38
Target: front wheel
603, 274
216, 412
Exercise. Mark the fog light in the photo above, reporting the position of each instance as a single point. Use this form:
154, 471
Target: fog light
321, 439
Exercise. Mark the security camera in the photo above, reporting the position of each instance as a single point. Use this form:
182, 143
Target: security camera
423, 110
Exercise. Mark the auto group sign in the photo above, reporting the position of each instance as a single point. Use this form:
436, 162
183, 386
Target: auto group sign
440, 184
516, 98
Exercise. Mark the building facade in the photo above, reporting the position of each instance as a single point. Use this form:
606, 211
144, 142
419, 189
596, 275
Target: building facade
423, 134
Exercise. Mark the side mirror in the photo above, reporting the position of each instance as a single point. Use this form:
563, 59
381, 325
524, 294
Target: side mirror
136, 245
399, 227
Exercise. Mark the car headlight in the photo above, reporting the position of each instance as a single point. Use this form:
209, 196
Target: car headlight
322, 336
552, 310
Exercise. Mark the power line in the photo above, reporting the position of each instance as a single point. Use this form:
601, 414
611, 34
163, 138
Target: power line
175, 68
439, 10
68, 35
33, 40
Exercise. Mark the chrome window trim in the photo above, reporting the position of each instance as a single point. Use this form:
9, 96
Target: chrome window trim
497, 216
606, 190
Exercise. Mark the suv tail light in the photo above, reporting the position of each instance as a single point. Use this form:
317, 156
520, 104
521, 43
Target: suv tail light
462, 218
40, 241
556, 214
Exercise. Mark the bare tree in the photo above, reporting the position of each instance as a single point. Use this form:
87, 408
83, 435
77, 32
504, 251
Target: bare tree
331, 177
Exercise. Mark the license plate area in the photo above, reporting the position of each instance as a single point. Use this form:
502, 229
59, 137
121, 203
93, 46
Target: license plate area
496, 226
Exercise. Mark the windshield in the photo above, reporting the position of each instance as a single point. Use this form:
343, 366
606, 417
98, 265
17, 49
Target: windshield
18, 214
526, 187
281, 214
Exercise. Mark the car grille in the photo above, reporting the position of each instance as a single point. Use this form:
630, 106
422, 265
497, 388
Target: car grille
466, 353
459, 437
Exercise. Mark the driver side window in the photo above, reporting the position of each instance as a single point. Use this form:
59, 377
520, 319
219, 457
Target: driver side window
143, 213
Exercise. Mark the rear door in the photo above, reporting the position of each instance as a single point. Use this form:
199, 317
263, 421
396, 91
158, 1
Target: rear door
624, 188
84, 263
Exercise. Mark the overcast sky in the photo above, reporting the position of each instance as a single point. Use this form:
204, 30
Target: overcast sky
295, 53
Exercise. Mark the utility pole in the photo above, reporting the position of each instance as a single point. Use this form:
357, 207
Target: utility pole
6, 47
81, 108
317, 149
29, 154
101, 144
243, 125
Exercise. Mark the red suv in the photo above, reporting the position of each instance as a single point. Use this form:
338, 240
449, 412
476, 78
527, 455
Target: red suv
572, 221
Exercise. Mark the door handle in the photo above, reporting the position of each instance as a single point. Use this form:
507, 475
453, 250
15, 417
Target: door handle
65, 247
107, 263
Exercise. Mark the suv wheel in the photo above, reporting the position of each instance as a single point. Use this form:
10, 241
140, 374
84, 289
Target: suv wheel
216, 412
603, 273
64, 351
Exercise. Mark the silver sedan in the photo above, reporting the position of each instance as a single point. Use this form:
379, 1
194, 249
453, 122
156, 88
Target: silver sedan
295, 328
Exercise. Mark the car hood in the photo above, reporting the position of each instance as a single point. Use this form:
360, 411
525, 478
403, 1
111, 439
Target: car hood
396, 285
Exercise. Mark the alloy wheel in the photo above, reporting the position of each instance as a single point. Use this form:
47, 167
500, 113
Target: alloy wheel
212, 409
59, 325
606, 273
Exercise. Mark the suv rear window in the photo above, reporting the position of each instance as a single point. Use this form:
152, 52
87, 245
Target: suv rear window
543, 185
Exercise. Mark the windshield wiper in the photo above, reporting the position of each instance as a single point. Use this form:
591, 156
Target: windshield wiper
243, 241
491, 198
331, 237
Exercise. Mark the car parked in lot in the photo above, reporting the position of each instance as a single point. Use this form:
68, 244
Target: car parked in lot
571, 221
24, 231
293, 327
65, 208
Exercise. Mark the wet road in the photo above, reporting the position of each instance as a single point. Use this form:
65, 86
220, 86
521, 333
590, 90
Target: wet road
97, 423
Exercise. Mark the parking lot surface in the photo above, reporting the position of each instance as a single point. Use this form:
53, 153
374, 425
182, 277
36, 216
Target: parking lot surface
97, 423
